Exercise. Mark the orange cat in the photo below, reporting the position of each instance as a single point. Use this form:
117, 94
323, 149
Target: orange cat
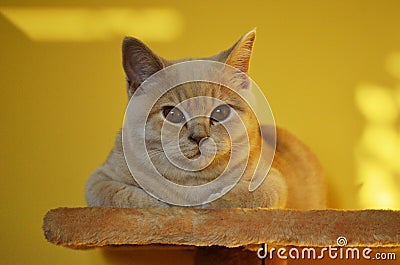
294, 181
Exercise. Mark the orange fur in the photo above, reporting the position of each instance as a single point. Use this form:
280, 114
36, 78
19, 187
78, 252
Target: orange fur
295, 180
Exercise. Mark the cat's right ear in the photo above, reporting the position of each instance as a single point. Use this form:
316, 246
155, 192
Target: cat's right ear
139, 63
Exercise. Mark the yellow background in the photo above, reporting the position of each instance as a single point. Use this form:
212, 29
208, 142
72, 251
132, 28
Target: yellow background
62, 101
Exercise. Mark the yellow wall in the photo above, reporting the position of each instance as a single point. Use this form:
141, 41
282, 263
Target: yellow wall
324, 66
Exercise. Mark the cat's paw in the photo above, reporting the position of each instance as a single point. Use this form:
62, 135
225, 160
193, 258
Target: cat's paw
104, 191
272, 193
136, 197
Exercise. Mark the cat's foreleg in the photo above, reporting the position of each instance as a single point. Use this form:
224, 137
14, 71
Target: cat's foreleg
273, 191
104, 191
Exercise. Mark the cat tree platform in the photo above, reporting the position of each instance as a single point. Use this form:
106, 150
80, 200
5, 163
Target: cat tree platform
103, 226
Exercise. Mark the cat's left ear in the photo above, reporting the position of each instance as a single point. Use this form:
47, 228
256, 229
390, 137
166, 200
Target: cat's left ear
240, 53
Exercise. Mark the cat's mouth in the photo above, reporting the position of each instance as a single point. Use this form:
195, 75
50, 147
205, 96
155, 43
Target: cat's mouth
205, 150
193, 155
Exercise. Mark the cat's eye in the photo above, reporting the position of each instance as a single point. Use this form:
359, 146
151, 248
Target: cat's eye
173, 114
220, 113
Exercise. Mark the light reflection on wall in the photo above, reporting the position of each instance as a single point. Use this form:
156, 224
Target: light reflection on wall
95, 24
378, 151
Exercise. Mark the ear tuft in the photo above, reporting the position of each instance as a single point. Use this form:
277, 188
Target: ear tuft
241, 52
139, 63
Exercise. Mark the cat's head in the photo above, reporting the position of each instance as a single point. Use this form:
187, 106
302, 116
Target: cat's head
195, 114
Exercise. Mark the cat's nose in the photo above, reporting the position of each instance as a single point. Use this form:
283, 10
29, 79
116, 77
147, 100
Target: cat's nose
199, 129
197, 138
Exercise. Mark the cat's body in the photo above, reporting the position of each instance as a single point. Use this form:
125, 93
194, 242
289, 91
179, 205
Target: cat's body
295, 180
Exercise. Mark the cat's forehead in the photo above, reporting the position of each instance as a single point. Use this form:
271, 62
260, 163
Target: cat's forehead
200, 94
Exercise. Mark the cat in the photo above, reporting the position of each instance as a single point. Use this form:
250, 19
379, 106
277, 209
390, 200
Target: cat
295, 180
